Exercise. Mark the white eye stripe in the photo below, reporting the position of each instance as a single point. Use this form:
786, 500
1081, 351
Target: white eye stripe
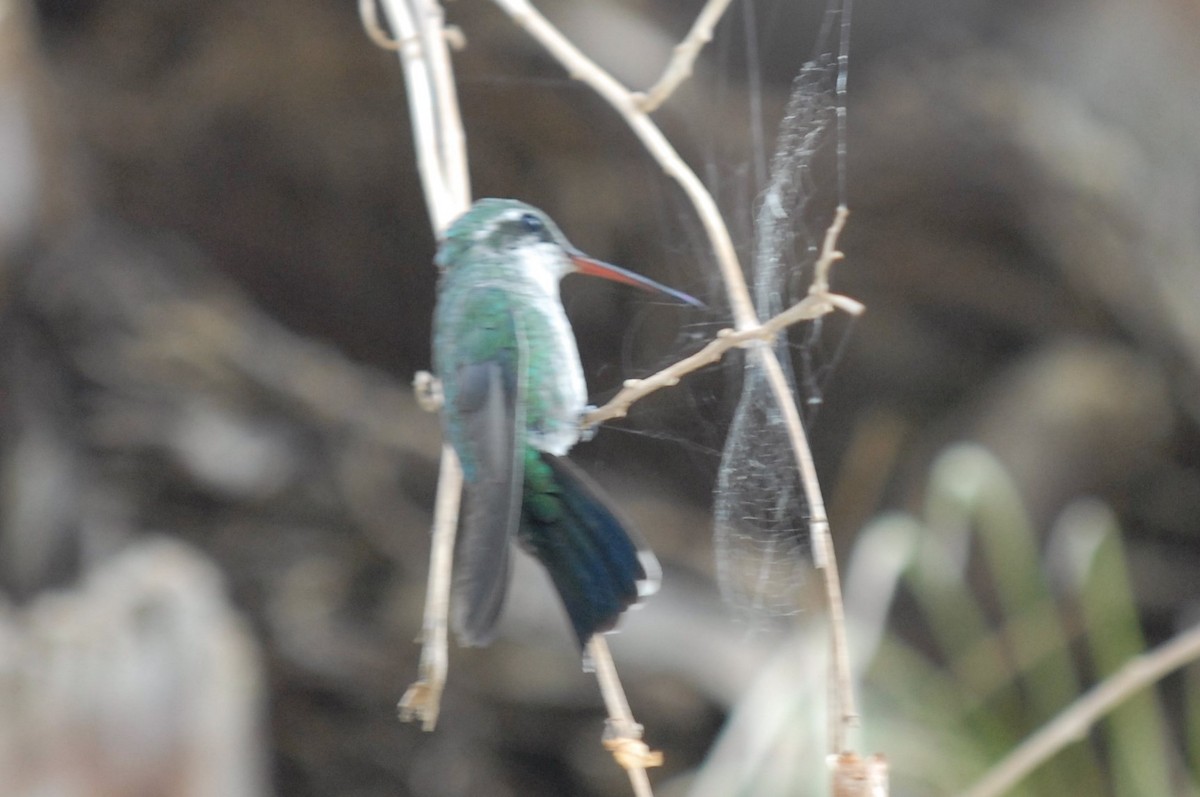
507, 217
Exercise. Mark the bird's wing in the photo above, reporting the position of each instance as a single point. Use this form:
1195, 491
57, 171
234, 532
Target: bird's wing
487, 399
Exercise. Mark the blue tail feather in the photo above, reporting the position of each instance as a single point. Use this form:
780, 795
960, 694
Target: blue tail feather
594, 563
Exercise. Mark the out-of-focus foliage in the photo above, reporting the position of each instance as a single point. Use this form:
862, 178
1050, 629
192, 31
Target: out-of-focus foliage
1010, 636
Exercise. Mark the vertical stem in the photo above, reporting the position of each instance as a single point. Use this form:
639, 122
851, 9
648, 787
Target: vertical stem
623, 735
442, 163
433, 107
450, 136
434, 628
844, 712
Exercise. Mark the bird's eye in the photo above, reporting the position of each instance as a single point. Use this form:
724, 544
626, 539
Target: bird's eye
532, 223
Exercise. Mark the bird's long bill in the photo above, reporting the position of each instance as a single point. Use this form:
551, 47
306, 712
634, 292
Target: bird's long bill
598, 268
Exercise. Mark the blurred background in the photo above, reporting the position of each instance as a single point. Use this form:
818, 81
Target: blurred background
216, 286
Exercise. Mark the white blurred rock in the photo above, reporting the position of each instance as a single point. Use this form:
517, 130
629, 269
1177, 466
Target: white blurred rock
143, 680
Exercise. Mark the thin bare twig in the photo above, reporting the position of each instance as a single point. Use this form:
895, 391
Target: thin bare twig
451, 140
830, 254
422, 700
442, 162
679, 68
368, 14
845, 715
622, 735
634, 390
1073, 723
432, 103
582, 68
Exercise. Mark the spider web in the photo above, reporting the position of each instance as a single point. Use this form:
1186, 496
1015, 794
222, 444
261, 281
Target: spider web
761, 537
760, 514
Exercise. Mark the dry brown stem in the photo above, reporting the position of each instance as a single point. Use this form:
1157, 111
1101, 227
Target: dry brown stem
1073, 723
622, 735
679, 68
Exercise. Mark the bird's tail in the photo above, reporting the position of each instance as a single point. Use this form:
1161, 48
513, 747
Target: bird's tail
593, 560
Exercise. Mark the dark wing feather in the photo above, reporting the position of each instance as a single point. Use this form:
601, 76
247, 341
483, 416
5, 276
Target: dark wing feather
488, 407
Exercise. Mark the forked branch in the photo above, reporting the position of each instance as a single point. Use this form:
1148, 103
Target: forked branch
625, 103
813, 306
683, 57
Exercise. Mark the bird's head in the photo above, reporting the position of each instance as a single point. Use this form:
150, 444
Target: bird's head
515, 236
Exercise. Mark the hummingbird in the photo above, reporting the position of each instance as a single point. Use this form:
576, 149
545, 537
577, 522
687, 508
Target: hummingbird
513, 400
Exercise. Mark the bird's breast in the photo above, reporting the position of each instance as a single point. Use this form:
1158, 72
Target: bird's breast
555, 392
